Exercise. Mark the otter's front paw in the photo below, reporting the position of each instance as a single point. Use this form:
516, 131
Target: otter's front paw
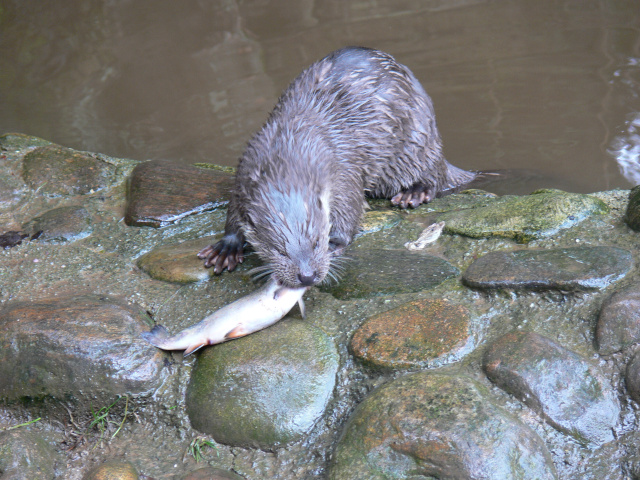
414, 196
226, 253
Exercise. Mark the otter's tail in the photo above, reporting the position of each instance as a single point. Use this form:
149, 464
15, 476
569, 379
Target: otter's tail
457, 179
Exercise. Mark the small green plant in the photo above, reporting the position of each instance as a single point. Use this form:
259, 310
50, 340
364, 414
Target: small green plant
197, 446
22, 424
102, 422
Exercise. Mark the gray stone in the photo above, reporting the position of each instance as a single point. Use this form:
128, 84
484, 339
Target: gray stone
60, 225
25, 455
429, 425
579, 268
633, 377
619, 321
264, 390
562, 387
85, 346
57, 170
370, 273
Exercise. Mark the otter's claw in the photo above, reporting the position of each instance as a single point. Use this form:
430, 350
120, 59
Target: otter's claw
227, 253
414, 196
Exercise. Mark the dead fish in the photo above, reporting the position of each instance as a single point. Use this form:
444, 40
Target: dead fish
428, 235
256, 311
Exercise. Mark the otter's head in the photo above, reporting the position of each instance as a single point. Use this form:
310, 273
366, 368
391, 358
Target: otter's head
289, 226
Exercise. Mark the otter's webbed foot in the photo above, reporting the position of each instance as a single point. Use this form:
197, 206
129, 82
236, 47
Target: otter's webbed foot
414, 196
226, 253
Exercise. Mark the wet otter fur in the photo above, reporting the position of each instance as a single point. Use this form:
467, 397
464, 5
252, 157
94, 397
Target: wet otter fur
355, 123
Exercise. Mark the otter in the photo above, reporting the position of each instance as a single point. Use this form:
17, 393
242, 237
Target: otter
354, 124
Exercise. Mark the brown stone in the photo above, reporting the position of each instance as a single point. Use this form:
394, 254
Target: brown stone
162, 192
177, 263
418, 333
113, 470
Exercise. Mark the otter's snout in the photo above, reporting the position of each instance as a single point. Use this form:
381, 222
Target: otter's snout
308, 280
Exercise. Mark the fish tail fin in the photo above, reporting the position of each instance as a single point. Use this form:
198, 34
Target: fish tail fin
156, 336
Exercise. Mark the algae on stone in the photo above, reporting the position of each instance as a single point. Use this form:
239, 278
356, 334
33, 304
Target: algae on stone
633, 209
523, 218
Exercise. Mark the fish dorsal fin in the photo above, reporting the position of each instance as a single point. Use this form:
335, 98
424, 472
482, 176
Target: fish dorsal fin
192, 348
303, 311
236, 332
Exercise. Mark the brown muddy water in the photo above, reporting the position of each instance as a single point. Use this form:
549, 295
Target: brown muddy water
548, 87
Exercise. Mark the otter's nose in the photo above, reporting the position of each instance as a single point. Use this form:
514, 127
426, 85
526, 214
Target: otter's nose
307, 280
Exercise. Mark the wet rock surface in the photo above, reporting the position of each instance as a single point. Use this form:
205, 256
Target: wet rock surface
524, 218
161, 192
370, 273
562, 387
578, 268
212, 474
57, 170
25, 455
177, 263
321, 374
633, 378
75, 346
430, 425
63, 224
619, 321
633, 209
264, 390
417, 334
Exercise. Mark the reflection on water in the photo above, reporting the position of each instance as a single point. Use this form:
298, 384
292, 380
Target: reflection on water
547, 86
625, 147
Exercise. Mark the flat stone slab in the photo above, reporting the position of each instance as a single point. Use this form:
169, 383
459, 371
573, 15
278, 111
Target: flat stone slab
562, 387
370, 273
81, 346
523, 218
422, 333
264, 390
57, 170
619, 321
579, 268
161, 192
633, 209
177, 262
60, 225
428, 425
